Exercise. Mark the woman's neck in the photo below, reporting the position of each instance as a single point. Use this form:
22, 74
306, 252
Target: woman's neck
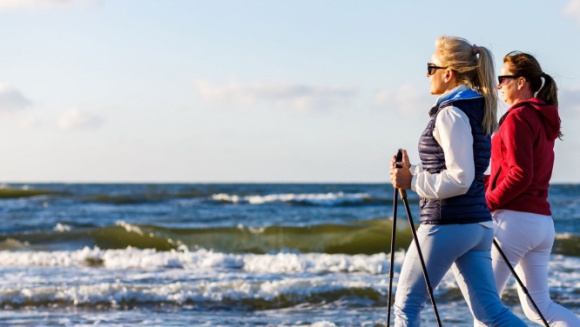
524, 95
451, 85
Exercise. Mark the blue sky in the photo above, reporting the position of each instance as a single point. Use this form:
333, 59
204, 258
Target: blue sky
248, 91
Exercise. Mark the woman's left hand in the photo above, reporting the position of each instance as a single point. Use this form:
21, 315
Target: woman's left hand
401, 177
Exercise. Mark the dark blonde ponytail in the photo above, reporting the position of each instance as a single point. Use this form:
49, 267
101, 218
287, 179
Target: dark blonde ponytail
549, 91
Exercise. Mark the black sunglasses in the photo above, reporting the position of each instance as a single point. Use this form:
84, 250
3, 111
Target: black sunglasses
502, 78
431, 68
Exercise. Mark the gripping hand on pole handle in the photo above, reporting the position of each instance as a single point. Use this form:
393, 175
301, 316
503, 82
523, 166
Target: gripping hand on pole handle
401, 176
402, 192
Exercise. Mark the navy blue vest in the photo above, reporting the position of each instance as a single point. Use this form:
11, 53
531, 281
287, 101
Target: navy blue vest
470, 207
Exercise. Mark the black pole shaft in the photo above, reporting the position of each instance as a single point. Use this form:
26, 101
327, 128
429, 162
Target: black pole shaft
391, 269
416, 239
519, 281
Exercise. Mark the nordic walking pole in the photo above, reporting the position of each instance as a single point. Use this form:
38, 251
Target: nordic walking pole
403, 194
393, 234
520, 282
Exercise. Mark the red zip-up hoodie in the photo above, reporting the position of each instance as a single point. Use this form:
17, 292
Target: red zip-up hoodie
522, 158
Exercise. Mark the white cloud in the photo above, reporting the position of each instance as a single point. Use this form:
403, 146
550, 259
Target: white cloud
29, 122
12, 100
37, 4
572, 10
569, 101
77, 119
277, 93
406, 99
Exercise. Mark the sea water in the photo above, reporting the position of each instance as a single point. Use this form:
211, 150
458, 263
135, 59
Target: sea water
225, 255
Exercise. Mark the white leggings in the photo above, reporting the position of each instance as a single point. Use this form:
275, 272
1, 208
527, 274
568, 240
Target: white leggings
526, 239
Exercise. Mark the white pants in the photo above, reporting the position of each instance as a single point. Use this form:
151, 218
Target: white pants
527, 239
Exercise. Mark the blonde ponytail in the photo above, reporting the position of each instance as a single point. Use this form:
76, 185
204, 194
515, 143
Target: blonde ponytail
473, 65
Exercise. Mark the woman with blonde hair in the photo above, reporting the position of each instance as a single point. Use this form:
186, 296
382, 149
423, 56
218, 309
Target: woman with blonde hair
522, 159
456, 228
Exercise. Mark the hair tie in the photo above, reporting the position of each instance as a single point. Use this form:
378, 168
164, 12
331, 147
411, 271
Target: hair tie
475, 49
544, 75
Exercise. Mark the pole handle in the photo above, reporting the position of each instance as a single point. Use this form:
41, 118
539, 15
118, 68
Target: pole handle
399, 158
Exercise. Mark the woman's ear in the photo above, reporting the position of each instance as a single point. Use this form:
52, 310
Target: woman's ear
521, 83
448, 75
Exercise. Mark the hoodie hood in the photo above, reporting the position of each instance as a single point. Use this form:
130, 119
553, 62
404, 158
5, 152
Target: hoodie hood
548, 113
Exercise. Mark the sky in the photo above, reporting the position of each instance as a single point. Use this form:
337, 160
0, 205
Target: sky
249, 91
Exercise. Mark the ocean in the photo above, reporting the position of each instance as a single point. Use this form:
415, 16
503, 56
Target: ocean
226, 255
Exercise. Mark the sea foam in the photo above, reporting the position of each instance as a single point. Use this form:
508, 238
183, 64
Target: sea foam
129, 258
324, 199
259, 281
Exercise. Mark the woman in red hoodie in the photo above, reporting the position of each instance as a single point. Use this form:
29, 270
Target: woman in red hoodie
522, 158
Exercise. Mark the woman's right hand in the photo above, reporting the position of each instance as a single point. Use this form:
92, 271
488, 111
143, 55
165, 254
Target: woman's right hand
401, 176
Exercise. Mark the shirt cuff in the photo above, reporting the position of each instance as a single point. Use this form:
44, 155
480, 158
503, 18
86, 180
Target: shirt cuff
415, 170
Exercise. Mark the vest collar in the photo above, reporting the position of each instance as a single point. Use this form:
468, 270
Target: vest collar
461, 92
